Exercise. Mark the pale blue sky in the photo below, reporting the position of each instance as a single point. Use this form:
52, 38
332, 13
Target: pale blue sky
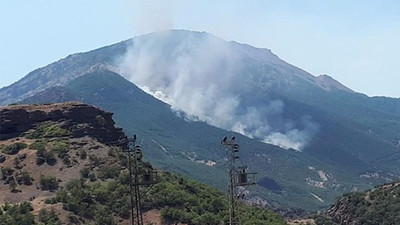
356, 42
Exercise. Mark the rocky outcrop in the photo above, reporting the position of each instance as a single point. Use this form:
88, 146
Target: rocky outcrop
77, 118
376, 206
340, 212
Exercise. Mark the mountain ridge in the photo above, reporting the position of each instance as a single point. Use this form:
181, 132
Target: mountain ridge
6, 97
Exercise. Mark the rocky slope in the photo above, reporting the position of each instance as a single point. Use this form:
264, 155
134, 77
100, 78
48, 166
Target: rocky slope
380, 205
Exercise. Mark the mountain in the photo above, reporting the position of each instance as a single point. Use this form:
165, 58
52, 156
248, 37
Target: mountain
193, 148
312, 137
64, 164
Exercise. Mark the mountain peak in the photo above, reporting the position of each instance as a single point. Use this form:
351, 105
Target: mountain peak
328, 83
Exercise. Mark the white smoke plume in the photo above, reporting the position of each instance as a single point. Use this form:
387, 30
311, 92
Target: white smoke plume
202, 76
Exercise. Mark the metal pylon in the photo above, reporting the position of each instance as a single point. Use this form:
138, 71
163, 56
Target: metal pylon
237, 176
136, 180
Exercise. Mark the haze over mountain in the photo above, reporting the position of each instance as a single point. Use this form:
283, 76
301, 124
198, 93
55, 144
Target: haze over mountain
343, 140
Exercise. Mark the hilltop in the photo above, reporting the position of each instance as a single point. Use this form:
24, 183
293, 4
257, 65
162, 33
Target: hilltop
63, 164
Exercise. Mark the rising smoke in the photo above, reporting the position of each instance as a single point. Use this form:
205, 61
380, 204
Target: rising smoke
204, 77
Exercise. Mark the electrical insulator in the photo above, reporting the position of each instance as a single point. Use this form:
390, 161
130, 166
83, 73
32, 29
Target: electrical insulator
147, 178
138, 152
236, 148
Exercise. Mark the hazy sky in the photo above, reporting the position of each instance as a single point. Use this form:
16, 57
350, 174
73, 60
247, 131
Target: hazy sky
356, 42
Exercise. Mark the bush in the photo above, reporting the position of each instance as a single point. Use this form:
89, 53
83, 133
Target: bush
45, 156
47, 130
6, 172
50, 158
12, 184
40, 161
207, 219
85, 172
24, 178
67, 160
39, 145
13, 148
61, 147
73, 219
16, 214
107, 172
48, 182
48, 218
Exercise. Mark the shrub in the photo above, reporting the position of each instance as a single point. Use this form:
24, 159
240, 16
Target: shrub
50, 158
40, 161
45, 156
12, 184
107, 172
61, 147
6, 172
47, 217
46, 130
67, 160
73, 219
13, 148
24, 178
48, 182
39, 145
85, 172
17, 214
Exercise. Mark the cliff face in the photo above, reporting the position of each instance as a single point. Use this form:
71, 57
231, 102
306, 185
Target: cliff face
77, 119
